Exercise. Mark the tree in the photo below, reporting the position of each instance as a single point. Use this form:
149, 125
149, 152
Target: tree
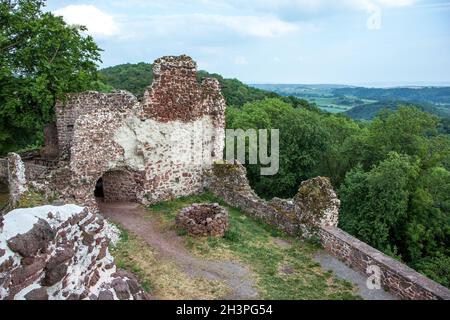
375, 203
41, 59
406, 131
302, 143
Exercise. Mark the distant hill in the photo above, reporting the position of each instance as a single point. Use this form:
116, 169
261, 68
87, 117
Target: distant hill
370, 111
365, 103
131, 77
136, 77
434, 95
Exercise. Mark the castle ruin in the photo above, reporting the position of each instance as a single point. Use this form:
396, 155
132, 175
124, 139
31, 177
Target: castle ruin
169, 144
129, 150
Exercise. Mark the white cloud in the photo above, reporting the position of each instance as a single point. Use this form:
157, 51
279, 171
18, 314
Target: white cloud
98, 22
308, 8
397, 3
258, 26
253, 26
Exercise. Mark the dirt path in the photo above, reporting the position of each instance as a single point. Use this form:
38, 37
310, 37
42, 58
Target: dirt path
344, 272
169, 246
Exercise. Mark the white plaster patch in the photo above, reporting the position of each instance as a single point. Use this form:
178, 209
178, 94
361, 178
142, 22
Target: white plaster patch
150, 141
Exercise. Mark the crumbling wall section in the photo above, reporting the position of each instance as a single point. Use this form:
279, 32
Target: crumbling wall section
17, 181
314, 212
80, 104
229, 182
175, 93
165, 142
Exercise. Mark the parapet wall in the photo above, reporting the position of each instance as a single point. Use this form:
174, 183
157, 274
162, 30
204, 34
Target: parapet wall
314, 212
395, 276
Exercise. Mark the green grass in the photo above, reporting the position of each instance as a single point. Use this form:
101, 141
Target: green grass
251, 242
160, 278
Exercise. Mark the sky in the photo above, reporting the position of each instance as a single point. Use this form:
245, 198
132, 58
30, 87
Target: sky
359, 42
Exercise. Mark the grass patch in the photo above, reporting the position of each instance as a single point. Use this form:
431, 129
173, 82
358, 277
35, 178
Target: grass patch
282, 272
161, 279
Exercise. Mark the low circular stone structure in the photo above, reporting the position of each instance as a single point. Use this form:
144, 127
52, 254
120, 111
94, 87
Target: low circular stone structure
203, 220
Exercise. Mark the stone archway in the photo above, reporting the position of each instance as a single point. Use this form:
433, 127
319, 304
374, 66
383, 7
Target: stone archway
116, 186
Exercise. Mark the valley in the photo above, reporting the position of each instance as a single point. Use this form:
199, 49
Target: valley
365, 103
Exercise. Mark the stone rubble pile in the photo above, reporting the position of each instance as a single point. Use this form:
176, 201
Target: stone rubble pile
203, 220
60, 253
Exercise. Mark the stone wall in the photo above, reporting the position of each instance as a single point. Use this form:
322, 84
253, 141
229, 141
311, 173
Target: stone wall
80, 104
17, 181
119, 186
165, 142
314, 206
314, 212
60, 253
35, 172
398, 278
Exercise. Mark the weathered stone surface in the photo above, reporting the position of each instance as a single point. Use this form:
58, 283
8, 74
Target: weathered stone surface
318, 203
28, 244
54, 274
145, 152
16, 178
121, 289
54, 260
23, 273
37, 294
105, 295
60, 257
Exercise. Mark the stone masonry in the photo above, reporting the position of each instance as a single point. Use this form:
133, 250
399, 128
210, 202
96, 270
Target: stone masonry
60, 253
147, 151
168, 145
203, 219
313, 212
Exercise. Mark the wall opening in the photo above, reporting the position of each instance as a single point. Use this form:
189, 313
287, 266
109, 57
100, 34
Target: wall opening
116, 186
98, 192
4, 194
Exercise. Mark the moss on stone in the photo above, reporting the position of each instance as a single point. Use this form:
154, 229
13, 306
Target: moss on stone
34, 198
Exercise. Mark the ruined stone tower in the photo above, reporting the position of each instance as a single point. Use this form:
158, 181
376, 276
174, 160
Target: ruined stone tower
146, 151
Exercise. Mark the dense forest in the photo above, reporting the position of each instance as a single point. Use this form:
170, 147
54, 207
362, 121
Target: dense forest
392, 174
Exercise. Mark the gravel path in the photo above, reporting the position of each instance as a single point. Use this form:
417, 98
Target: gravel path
169, 246
342, 271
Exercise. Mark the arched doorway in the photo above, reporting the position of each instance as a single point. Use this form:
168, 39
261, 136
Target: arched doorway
116, 186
